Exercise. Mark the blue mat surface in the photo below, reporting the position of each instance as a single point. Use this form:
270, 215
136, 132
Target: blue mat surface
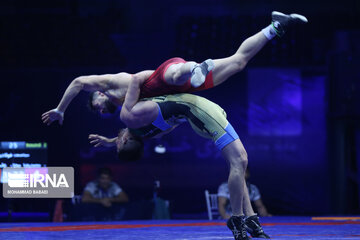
276, 227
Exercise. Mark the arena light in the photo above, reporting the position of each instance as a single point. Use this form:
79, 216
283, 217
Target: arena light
160, 149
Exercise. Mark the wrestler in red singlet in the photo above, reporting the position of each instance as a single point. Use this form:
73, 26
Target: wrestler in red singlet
156, 85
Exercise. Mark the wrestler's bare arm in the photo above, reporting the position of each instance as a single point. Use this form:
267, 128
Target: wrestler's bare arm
91, 83
100, 83
137, 114
98, 140
83, 83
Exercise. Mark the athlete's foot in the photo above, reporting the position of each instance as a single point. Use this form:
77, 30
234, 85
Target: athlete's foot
253, 227
281, 21
237, 225
200, 71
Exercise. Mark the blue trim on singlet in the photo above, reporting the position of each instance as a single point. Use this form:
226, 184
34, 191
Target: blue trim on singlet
160, 122
227, 137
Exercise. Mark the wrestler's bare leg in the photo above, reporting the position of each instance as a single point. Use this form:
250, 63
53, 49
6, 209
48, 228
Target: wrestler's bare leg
179, 73
226, 67
248, 210
236, 156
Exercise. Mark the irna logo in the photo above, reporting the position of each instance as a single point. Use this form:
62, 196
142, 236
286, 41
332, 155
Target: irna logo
22, 180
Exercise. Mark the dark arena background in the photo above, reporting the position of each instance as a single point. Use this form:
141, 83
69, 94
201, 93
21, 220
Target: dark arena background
296, 108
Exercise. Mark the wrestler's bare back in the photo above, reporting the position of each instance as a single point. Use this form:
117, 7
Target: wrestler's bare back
117, 84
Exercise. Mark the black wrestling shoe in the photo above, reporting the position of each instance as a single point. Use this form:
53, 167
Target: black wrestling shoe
237, 225
281, 22
253, 227
200, 71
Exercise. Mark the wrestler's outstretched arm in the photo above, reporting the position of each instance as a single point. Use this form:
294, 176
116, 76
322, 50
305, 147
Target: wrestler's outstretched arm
98, 141
83, 83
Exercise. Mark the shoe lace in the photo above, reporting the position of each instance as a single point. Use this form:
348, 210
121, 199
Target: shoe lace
257, 227
242, 231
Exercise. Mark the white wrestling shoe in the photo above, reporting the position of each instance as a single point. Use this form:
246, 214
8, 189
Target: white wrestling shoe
200, 71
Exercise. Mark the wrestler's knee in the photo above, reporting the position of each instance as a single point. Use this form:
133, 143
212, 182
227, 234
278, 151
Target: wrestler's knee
239, 160
240, 61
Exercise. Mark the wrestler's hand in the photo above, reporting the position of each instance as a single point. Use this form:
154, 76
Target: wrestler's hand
51, 116
97, 141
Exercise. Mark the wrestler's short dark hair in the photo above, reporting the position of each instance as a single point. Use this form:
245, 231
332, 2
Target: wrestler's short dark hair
132, 151
105, 171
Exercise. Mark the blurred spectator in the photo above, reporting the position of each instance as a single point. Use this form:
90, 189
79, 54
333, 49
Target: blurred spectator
254, 194
103, 190
102, 200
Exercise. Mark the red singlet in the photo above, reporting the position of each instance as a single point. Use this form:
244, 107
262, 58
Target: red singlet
156, 85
